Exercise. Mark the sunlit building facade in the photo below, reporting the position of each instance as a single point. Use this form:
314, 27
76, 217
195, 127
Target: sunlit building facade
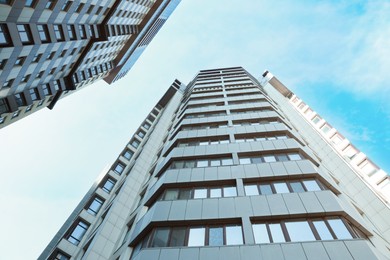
227, 167
50, 49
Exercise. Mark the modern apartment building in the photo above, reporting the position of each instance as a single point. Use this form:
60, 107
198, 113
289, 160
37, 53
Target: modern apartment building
49, 48
231, 168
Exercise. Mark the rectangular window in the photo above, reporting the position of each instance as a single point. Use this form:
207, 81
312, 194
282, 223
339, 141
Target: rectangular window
58, 32
135, 143
34, 94
24, 33
83, 34
46, 89
90, 9
196, 236
78, 232
37, 57
71, 32
50, 4
95, 206
4, 108
43, 32
234, 235
4, 35
128, 154
79, 8
65, 7
8, 83
30, 3
119, 168
108, 185
299, 231
19, 61
20, 100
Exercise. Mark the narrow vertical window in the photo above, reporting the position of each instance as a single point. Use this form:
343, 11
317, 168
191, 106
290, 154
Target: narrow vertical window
78, 232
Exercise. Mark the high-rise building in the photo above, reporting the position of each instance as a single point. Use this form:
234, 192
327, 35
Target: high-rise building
231, 168
50, 48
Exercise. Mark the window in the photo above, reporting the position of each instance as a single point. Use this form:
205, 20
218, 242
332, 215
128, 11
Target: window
30, 3
90, 9
65, 7
19, 61
95, 205
119, 168
141, 134
8, 83
79, 8
194, 236
108, 185
135, 143
201, 163
198, 193
83, 34
128, 154
316, 119
303, 230
43, 32
34, 94
46, 89
4, 108
291, 186
50, 4
37, 57
4, 35
25, 78
78, 232
220, 140
58, 255
63, 53
24, 33
71, 32
240, 139
58, 32
20, 100
271, 158
2, 63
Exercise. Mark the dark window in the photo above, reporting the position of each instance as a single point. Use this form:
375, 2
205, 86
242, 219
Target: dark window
60, 256
71, 32
58, 32
95, 205
79, 8
65, 7
99, 10
78, 232
135, 143
24, 33
2, 63
34, 94
25, 78
19, 61
43, 33
20, 99
37, 57
63, 53
4, 108
108, 185
30, 3
51, 55
50, 4
83, 34
90, 9
141, 134
6, 2
146, 125
8, 83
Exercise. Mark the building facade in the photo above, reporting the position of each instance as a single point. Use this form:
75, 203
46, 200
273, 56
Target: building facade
49, 49
230, 168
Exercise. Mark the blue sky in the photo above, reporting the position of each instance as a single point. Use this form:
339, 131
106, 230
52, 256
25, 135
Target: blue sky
332, 54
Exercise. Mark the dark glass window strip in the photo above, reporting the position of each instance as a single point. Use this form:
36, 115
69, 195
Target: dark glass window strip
199, 163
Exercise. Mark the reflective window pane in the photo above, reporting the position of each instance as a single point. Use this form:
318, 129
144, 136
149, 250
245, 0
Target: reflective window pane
216, 236
234, 235
200, 193
227, 161
257, 160
297, 186
203, 163
299, 231
171, 195
189, 164
265, 189
282, 157
215, 193
322, 230
178, 236
215, 162
339, 229
245, 160
229, 192
269, 158
185, 194
196, 237
281, 187
277, 233
294, 156
251, 190
95, 206
260, 233
160, 238
311, 185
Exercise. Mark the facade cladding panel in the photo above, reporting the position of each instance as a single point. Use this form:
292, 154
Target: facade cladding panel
66, 45
236, 173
